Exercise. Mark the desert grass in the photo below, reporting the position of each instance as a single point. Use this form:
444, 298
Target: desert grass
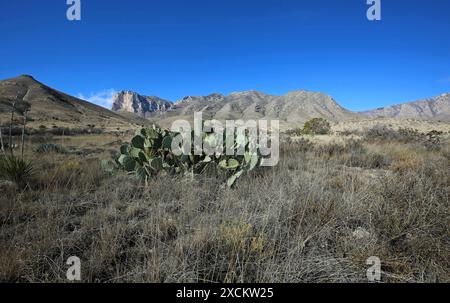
296, 222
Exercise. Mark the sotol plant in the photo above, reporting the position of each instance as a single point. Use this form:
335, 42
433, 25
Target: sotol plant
15, 169
149, 154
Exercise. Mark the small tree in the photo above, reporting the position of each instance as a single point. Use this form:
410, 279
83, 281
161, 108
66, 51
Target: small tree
317, 126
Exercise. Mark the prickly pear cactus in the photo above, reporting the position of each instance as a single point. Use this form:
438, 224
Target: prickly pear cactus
149, 154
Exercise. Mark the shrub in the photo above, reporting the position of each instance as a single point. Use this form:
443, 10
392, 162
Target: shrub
65, 131
49, 148
380, 132
301, 145
294, 132
430, 140
316, 126
15, 170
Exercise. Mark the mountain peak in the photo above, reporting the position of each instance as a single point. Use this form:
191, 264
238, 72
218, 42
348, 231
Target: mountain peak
24, 78
130, 101
248, 93
27, 76
54, 108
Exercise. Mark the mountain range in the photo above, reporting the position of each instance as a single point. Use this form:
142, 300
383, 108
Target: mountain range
437, 108
292, 109
52, 108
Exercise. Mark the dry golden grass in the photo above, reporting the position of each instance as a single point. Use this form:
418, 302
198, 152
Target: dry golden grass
291, 223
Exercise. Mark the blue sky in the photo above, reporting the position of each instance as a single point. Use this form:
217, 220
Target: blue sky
174, 48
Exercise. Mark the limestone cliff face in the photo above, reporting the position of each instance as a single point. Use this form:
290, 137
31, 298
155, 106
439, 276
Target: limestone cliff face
128, 101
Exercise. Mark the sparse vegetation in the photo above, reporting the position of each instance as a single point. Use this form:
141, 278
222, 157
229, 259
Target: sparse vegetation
49, 148
316, 217
431, 140
315, 126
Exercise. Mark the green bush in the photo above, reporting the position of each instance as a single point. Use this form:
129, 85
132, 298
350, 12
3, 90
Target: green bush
16, 170
316, 126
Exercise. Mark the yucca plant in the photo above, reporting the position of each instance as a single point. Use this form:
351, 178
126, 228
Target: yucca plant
16, 170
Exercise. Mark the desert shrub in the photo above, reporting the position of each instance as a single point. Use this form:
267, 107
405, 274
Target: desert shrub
16, 170
329, 150
380, 132
336, 149
358, 156
49, 148
369, 160
430, 140
16, 131
433, 140
40, 138
348, 132
294, 132
65, 131
316, 126
375, 160
353, 153
301, 145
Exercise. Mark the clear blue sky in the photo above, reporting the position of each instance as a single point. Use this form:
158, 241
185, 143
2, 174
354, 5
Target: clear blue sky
173, 48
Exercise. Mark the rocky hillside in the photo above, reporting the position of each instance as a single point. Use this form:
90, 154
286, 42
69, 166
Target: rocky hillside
50, 108
437, 108
128, 101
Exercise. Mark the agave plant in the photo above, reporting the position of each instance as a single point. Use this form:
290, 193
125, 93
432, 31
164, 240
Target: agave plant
150, 154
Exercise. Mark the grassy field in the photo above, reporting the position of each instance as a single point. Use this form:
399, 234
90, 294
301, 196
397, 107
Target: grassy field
318, 216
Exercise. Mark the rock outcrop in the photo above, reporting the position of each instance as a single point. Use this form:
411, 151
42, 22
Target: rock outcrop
128, 101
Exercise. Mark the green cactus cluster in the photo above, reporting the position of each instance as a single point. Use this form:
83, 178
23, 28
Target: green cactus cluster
149, 154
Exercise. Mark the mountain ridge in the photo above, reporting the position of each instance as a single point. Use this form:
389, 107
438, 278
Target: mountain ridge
434, 108
292, 109
130, 109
